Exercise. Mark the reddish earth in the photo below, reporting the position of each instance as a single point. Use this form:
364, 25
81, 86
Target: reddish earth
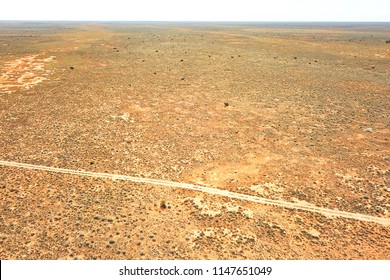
297, 114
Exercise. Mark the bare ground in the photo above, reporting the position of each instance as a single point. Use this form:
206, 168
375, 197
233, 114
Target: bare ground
298, 114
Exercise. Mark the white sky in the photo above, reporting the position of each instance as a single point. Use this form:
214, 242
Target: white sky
197, 10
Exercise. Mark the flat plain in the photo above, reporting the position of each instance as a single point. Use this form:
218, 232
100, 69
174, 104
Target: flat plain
287, 112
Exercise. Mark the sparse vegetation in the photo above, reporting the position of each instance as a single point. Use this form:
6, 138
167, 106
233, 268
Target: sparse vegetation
271, 113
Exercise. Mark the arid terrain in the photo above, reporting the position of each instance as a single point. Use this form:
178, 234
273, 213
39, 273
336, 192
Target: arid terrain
285, 122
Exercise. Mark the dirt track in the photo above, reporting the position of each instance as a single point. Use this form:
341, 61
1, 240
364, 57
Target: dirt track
310, 208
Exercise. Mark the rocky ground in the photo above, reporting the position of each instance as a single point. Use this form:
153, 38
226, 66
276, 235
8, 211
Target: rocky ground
292, 113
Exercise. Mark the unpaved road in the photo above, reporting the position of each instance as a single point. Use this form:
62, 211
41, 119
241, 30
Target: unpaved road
286, 204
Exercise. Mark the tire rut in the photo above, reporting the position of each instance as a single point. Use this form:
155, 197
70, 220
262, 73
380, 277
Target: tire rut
213, 191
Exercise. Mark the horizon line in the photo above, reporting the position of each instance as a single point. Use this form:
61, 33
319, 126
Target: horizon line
200, 21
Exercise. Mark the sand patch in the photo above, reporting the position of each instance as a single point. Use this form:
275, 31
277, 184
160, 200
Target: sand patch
24, 73
214, 209
234, 237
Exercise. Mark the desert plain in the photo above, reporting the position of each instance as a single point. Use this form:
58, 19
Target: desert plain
292, 113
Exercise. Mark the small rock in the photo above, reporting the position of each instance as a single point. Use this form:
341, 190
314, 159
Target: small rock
367, 129
142, 253
314, 233
71, 68
226, 104
111, 241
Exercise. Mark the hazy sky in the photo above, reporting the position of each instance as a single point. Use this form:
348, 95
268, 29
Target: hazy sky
197, 10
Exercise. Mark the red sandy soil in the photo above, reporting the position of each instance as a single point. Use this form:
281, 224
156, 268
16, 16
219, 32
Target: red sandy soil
297, 114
